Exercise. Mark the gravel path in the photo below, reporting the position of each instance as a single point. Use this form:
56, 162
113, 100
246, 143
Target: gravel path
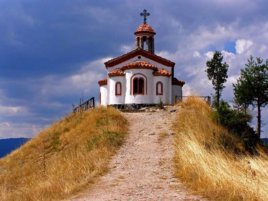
142, 169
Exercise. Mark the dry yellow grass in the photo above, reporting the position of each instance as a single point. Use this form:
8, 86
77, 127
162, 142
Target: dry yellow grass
212, 162
64, 158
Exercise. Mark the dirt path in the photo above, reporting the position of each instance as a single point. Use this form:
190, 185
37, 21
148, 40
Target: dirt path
142, 169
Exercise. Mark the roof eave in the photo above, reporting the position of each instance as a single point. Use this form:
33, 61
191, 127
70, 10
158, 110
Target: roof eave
135, 52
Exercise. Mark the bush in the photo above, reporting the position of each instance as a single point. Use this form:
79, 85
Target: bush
237, 123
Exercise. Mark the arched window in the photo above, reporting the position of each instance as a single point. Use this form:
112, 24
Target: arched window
159, 88
138, 41
138, 85
143, 42
118, 89
151, 44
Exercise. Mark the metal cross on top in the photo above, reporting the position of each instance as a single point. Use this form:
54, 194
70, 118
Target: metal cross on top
144, 14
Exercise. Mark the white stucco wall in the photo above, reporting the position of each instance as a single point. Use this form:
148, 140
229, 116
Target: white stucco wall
170, 91
146, 98
176, 92
165, 98
103, 92
113, 99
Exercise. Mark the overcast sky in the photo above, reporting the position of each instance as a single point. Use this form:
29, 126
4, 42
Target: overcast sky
52, 52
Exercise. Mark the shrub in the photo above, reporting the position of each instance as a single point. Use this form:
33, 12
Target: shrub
237, 123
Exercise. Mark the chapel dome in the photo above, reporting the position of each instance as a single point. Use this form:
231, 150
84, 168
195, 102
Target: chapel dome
145, 28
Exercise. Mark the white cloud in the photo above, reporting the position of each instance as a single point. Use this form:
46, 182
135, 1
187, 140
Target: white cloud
126, 48
4, 125
11, 130
205, 36
12, 110
196, 54
242, 45
232, 80
228, 56
167, 55
263, 49
209, 55
82, 82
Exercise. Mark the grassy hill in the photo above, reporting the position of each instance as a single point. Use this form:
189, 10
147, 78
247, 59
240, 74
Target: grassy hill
63, 159
213, 162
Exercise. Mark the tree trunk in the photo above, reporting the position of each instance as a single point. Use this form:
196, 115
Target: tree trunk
217, 98
259, 120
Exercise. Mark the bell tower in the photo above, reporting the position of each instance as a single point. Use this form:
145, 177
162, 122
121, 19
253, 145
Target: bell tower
145, 34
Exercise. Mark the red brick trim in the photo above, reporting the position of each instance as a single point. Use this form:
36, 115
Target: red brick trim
102, 82
116, 72
162, 72
139, 65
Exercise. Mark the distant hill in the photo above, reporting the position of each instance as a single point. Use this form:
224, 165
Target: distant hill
10, 144
265, 140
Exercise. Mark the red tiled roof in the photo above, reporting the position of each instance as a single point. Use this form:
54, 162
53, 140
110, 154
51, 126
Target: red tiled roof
102, 82
139, 65
145, 28
162, 72
116, 72
175, 81
138, 52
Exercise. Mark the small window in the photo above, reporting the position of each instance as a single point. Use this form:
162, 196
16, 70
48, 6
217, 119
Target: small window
138, 86
159, 88
118, 89
143, 42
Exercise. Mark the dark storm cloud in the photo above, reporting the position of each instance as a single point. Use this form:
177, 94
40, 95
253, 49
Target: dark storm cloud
42, 37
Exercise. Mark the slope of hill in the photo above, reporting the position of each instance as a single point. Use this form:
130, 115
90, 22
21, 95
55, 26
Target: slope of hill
214, 163
64, 158
10, 144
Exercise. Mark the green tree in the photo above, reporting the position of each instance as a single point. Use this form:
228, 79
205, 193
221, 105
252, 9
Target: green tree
252, 87
217, 73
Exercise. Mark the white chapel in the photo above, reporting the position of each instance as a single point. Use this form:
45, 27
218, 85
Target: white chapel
140, 77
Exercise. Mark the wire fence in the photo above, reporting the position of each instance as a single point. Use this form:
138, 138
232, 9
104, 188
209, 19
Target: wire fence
88, 104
